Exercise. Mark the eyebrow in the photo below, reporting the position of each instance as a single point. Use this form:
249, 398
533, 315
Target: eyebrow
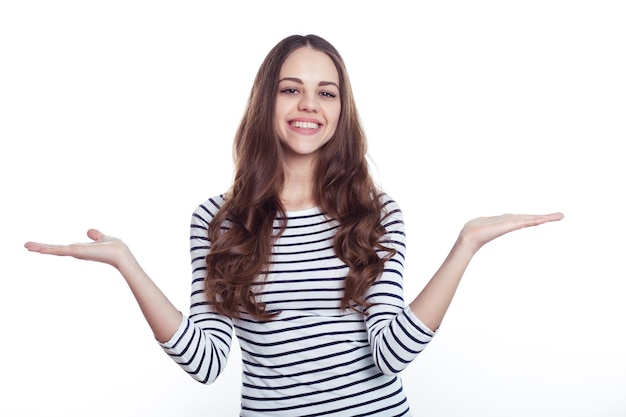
299, 81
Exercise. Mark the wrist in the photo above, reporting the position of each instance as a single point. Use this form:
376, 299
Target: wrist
466, 246
125, 261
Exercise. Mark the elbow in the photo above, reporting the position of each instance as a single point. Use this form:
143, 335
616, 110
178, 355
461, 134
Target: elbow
390, 363
205, 379
208, 369
386, 370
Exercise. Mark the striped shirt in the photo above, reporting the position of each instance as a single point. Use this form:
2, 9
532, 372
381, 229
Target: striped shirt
312, 359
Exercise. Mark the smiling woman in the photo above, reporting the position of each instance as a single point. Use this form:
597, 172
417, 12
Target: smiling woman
303, 257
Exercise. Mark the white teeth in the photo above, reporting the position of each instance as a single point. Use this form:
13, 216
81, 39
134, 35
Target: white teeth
305, 125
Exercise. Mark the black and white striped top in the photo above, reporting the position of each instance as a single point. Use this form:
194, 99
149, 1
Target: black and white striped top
313, 359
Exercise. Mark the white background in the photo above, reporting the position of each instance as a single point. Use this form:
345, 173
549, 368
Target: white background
120, 115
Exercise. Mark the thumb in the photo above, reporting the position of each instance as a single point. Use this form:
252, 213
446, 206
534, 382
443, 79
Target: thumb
94, 234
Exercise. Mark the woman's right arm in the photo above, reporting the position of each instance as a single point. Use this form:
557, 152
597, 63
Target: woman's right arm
199, 343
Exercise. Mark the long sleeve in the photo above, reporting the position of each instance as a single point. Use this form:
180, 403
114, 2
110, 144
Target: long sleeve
395, 334
202, 342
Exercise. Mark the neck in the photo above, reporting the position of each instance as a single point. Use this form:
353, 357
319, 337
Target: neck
297, 192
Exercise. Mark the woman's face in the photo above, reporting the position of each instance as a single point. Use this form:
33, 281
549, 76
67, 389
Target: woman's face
308, 103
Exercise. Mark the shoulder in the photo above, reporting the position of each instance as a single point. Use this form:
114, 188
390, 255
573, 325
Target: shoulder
208, 209
391, 217
389, 206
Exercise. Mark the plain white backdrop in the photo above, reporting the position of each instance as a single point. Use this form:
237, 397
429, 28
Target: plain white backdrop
120, 115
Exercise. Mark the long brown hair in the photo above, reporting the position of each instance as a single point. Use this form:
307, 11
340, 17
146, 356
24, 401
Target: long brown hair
242, 233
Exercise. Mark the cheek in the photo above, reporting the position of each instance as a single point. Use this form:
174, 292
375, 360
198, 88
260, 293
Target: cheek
278, 128
336, 115
277, 117
279, 125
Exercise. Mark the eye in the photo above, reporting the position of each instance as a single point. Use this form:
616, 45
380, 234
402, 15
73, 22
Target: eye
289, 91
327, 94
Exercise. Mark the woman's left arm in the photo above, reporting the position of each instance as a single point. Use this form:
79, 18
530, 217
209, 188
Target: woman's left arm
431, 304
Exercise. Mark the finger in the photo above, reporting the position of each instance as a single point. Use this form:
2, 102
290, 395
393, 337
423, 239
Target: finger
32, 246
547, 218
59, 250
95, 234
529, 220
555, 216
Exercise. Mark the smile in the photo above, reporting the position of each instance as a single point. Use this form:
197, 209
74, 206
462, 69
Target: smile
304, 125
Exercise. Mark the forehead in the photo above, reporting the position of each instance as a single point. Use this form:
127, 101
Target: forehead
309, 64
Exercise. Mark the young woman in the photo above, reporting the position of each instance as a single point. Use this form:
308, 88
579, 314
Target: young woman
303, 257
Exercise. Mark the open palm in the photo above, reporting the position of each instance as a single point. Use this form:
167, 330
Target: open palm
106, 249
482, 230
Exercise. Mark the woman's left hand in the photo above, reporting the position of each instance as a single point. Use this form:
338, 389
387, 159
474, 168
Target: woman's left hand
482, 230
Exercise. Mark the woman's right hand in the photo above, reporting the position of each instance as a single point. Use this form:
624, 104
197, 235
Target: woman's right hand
161, 314
105, 249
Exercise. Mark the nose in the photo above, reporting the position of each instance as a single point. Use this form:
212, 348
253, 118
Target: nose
308, 103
